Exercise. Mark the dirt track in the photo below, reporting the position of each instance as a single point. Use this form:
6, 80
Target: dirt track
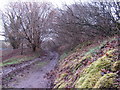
35, 77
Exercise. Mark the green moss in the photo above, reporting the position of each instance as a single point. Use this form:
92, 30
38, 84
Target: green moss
63, 85
106, 81
88, 80
116, 66
63, 75
91, 74
77, 66
103, 62
59, 84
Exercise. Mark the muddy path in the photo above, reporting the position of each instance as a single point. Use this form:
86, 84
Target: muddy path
35, 76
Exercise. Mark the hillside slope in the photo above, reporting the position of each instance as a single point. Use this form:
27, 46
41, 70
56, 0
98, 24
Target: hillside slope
99, 67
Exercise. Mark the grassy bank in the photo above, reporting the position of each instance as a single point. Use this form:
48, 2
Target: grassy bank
94, 67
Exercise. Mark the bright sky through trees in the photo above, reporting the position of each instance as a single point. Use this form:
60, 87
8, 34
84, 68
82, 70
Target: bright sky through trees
55, 2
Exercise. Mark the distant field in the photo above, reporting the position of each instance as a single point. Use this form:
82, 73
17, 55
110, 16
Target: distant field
18, 59
10, 56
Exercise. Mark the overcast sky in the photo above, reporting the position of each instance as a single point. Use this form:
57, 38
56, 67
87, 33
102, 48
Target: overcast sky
58, 3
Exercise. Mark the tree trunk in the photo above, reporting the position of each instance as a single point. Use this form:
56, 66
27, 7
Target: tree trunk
22, 49
14, 46
33, 48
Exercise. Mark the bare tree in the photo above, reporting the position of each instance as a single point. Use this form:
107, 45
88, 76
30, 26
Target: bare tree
28, 20
11, 24
89, 20
71, 25
34, 22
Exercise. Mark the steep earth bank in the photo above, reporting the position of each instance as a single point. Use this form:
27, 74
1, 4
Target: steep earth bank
98, 67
